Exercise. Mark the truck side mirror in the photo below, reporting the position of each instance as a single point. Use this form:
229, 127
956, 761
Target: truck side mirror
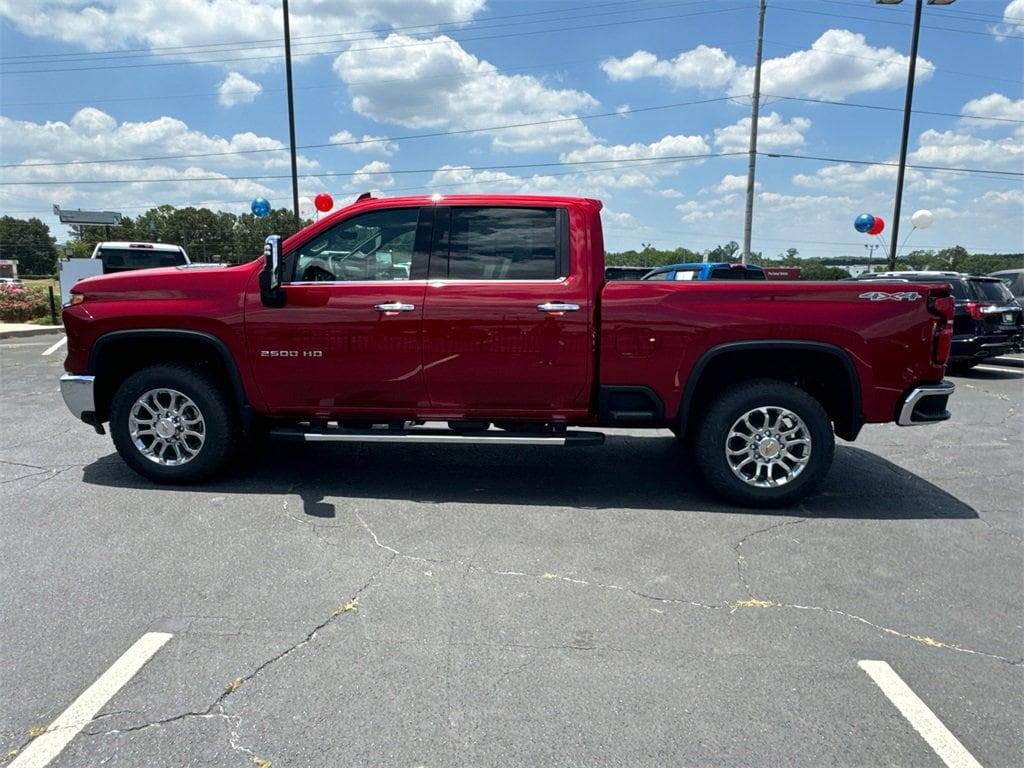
272, 276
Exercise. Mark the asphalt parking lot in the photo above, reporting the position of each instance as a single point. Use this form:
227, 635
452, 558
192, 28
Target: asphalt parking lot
467, 606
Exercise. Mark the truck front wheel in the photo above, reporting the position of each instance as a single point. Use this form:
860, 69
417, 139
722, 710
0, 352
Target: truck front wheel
765, 443
173, 424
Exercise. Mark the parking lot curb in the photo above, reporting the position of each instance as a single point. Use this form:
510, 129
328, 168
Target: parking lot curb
18, 333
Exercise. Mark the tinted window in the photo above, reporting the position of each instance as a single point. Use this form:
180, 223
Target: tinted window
990, 290
955, 286
727, 273
374, 246
503, 244
123, 259
658, 276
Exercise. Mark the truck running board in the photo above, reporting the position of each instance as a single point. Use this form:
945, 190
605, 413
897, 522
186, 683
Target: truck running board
482, 437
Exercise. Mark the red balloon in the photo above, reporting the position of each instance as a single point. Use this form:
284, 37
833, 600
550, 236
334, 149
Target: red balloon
879, 226
323, 202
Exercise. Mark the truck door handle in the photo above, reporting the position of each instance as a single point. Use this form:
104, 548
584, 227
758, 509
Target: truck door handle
394, 308
557, 307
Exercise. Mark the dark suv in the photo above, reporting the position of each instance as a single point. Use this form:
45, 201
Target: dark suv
986, 320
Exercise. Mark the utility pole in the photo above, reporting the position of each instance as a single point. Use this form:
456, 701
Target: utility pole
871, 256
291, 115
911, 71
754, 111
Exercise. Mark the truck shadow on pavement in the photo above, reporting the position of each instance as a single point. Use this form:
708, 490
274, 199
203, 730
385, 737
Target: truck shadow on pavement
627, 473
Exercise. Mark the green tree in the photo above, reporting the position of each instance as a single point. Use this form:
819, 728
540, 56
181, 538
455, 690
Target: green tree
29, 242
725, 252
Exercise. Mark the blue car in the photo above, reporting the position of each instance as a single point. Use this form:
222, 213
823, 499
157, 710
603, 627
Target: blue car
701, 271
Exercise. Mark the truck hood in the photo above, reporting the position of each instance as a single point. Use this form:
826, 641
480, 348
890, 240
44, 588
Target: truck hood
166, 282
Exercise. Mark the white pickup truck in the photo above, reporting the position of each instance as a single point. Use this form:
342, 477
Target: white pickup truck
125, 256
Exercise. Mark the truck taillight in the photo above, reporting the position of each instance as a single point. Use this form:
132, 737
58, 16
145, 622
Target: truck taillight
974, 310
942, 336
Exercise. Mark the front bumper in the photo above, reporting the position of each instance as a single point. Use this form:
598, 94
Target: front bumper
77, 392
925, 404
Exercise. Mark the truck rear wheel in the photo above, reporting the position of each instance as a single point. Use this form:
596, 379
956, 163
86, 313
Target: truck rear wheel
765, 443
173, 424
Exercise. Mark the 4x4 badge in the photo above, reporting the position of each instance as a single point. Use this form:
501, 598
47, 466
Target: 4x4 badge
883, 296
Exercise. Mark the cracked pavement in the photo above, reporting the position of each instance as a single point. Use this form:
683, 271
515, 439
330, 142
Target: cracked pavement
384, 605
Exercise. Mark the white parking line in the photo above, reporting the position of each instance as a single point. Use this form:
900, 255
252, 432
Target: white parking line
58, 345
945, 744
82, 710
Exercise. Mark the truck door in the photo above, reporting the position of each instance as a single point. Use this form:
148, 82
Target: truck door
348, 339
507, 315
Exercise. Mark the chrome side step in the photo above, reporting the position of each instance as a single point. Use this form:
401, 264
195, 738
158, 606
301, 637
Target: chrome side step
437, 436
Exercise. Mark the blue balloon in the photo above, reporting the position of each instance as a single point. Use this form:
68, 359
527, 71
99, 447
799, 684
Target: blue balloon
862, 223
260, 207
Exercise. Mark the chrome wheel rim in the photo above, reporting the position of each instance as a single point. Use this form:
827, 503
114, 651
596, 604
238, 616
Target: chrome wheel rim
768, 447
167, 427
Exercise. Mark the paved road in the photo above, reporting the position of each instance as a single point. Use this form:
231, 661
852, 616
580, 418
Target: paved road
385, 606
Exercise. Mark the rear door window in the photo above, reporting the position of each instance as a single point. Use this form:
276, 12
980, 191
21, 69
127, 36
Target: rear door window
990, 290
727, 273
504, 244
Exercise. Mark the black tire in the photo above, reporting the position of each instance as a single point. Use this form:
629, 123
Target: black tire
728, 408
220, 422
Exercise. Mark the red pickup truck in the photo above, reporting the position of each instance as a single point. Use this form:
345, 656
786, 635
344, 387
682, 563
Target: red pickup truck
490, 315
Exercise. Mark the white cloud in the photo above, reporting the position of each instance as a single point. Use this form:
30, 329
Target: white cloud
693, 211
773, 133
993, 105
348, 140
702, 66
838, 64
1012, 197
459, 179
612, 173
236, 88
733, 183
959, 149
92, 134
103, 24
375, 174
437, 84
846, 175
1012, 24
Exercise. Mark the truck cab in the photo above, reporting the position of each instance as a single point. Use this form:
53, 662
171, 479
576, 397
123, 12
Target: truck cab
487, 319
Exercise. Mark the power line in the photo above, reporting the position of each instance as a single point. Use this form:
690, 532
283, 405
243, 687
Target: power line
338, 85
229, 45
790, 9
376, 140
332, 174
337, 37
938, 168
436, 134
878, 60
973, 16
451, 41
626, 162
887, 109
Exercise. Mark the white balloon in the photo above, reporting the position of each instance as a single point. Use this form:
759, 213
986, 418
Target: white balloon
306, 208
922, 219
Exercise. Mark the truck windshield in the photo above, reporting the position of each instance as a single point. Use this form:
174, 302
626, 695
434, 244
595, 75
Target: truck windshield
124, 259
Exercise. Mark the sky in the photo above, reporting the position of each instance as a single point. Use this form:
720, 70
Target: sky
645, 105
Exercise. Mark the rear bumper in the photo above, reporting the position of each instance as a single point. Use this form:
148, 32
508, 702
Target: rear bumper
77, 392
984, 347
925, 404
